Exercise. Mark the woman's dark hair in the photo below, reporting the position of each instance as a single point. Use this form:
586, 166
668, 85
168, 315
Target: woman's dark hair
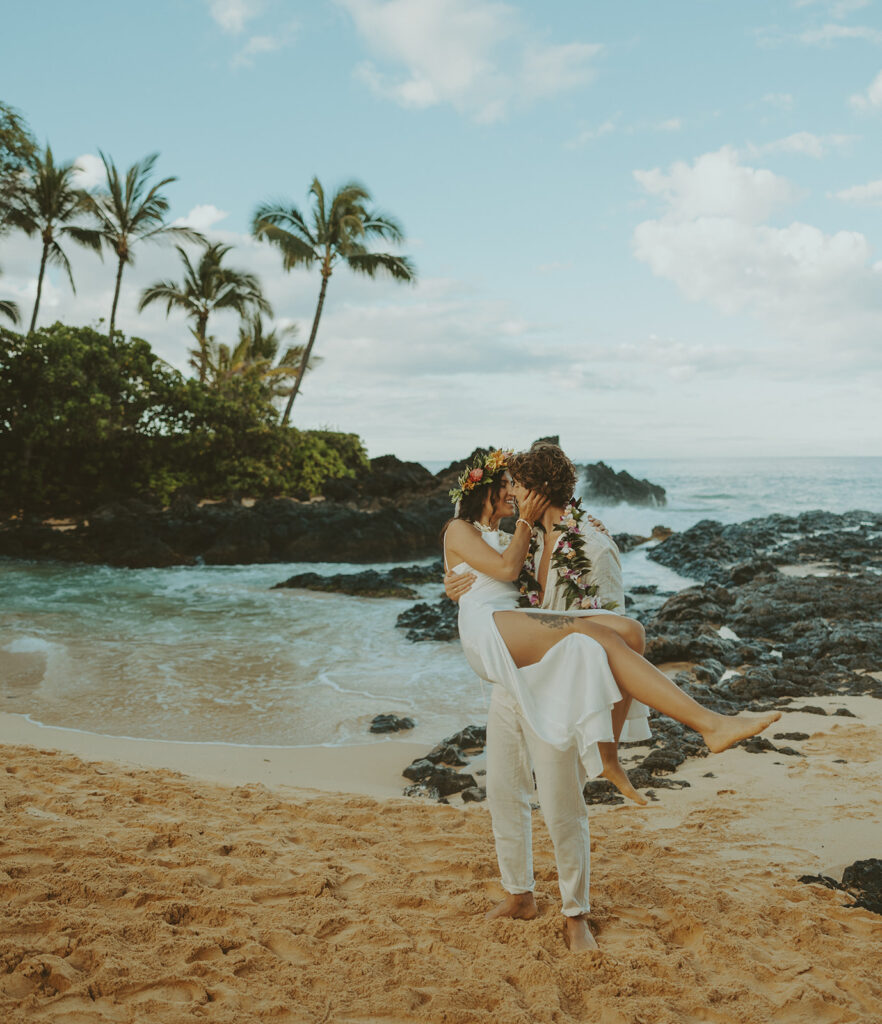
472, 504
546, 469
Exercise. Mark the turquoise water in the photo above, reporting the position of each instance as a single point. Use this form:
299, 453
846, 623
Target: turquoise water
211, 653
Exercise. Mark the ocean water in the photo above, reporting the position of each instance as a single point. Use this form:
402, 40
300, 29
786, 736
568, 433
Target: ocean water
212, 654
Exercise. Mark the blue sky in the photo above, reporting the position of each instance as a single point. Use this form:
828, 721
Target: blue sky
654, 229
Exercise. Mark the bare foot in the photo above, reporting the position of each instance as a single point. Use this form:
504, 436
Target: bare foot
729, 729
578, 936
613, 772
520, 905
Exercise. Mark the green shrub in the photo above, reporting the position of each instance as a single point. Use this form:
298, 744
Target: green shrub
85, 420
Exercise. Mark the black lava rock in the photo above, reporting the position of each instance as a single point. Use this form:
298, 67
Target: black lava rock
474, 794
390, 723
369, 583
436, 621
471, 739
605, 486
861, 880
446, 753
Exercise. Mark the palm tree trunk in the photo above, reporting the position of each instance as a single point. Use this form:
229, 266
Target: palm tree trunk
39, 287
326, 274
202, 342
119, 271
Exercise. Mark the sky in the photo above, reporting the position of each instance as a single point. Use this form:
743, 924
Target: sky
653, 229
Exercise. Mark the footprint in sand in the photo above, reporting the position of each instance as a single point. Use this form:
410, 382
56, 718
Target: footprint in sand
288, 947
170, 991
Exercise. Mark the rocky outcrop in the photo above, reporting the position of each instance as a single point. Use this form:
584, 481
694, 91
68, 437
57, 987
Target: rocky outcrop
435, 775
390, 723
133, 535
605, 486
735, 552
370, 583
424, 621
862, 881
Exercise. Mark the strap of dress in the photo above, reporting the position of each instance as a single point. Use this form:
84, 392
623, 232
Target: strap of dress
444, 551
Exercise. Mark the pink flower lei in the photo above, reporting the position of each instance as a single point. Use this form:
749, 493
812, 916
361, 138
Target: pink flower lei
569, 561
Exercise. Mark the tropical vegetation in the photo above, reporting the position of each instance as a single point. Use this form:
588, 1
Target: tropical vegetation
85, 419
207, 286
88, 415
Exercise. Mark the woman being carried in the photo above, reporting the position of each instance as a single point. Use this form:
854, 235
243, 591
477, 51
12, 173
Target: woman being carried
567, 670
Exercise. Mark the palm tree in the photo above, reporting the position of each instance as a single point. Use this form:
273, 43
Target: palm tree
258, 349
9, 309
131, 210
44, 203
207, 286
339, 232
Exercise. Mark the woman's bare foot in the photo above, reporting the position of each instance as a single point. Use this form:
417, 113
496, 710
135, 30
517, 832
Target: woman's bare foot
729, 729
613, 772
520, 905
578, 936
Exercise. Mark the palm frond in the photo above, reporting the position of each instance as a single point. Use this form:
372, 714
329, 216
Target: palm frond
401, 268
10, 309
295, 251
89, 238
381, 225
56, 256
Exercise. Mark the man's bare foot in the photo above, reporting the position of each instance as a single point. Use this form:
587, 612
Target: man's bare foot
613, 772
520, 905
578, 936
729, 729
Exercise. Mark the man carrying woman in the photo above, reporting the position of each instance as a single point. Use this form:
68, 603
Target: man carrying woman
535, 618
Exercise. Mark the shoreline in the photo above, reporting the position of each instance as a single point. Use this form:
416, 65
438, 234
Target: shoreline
367, 769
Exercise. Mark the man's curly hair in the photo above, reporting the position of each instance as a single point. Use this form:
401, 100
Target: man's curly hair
546, 469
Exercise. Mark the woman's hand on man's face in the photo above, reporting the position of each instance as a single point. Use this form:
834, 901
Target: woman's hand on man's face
533, 506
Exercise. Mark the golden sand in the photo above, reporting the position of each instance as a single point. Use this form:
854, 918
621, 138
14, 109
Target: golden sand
135, 895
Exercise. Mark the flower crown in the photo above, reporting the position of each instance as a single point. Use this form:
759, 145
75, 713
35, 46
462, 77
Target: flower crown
484, 471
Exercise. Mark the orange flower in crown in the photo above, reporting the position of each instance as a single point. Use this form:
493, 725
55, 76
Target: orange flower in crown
485, 470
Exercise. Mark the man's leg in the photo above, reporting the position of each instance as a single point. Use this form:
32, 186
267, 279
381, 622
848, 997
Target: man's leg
509, 791
559, 783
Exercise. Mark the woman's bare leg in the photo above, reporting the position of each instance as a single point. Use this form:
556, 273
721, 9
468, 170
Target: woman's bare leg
632, 632
529, 637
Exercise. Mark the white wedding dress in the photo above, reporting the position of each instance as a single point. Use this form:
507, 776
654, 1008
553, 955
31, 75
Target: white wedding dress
568, 696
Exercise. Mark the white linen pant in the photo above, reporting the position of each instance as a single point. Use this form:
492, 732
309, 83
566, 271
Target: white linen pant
512, 746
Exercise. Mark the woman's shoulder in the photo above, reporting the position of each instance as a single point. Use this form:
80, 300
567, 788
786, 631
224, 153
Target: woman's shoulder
460, 528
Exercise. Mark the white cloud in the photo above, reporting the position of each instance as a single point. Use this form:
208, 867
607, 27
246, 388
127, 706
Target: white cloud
475, 55
836, 9
590, 134
89, 171
258, 45
673, 124
232, 15
804, 143
202, 217
830, 33
871, 193
717, 185
781, 100
712, 243
871, 99
549, 70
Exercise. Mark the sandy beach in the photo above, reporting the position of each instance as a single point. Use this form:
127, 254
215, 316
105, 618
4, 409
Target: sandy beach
139, 893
